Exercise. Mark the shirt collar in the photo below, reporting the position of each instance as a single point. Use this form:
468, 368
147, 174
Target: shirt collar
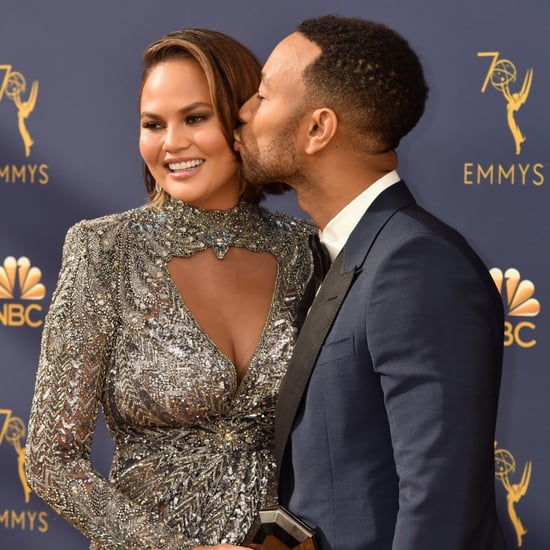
336, 232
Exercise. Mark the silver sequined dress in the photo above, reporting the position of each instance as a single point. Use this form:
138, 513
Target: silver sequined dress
193, 450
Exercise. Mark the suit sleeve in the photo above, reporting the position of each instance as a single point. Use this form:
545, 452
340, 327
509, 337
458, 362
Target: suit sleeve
434, 326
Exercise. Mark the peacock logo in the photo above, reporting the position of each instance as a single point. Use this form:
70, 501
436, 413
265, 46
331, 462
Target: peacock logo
519, 298
519, 293
19, 280
20, 271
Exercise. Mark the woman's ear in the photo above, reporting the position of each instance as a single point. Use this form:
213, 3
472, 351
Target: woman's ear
322, 127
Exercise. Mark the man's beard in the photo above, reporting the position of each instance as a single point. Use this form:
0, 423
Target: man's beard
276, 162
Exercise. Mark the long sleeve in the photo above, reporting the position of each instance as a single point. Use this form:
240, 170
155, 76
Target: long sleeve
439, 366
77, 341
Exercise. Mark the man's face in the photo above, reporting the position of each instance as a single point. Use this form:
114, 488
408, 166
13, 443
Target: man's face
274, 119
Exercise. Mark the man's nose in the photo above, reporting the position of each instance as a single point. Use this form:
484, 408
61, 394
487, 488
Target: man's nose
245, 111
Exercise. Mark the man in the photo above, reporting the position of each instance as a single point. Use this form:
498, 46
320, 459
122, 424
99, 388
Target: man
385, 422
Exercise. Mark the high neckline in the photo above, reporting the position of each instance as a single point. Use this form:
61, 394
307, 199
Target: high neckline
186, 229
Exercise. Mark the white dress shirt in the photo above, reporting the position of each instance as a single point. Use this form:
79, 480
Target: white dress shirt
337, 231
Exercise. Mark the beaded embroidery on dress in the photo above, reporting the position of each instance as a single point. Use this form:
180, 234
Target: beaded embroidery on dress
193, 449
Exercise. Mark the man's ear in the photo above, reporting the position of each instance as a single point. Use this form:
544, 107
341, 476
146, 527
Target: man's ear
321, 129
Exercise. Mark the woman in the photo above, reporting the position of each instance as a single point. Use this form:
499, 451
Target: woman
177, 319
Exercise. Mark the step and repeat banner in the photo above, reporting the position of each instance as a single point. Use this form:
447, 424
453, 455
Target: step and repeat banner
69, 82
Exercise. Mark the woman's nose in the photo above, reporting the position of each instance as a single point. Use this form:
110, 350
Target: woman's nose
176, 138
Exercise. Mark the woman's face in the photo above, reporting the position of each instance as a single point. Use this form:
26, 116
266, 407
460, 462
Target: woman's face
181, 140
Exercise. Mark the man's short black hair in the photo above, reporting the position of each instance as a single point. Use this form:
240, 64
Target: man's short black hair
369, 75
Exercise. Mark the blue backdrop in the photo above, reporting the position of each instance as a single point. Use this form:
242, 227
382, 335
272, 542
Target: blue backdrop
69, 79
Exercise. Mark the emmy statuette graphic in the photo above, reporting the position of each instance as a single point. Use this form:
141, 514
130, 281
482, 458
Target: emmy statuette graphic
505, 464
500, 75
13, 86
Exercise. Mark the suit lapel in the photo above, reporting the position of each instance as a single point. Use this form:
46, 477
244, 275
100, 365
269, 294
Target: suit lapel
373, 221
312, 335
326, 305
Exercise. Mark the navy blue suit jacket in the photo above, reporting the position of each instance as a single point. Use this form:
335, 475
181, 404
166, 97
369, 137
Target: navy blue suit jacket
385, 421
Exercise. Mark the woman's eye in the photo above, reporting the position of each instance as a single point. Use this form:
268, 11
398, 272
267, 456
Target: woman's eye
151, 125
260, 97
195, 119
